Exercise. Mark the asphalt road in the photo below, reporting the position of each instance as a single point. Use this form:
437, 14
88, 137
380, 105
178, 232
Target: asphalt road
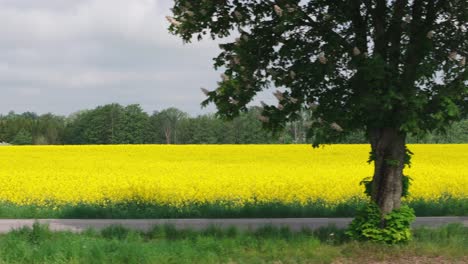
78, 225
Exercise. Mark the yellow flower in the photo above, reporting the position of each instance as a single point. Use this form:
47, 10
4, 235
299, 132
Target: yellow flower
230, 174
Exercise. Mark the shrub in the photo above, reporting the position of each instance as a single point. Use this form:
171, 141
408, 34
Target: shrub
392, 229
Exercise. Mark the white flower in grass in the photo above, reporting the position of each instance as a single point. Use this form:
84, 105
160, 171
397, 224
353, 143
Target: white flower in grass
336, 127
452, 55
264, 119
205, 91
173, 21
322, 58
278, 10
293, 100
430, 34
224, 77
356, 51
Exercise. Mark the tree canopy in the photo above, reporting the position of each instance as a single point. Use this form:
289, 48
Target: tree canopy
356, 64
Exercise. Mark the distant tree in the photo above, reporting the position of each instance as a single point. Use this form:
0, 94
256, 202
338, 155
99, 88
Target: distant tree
299, 127
49, 129
247, 129
23, 138
167, 123
75, 125
133, 126
153, 134
40, 140
97, 126
206, 129
13, 123
456, 133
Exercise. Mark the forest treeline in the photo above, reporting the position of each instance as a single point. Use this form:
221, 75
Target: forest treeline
117, 124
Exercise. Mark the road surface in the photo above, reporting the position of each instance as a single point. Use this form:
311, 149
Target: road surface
295, 224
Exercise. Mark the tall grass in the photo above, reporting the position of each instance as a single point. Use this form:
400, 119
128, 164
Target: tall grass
165, 244
443, 207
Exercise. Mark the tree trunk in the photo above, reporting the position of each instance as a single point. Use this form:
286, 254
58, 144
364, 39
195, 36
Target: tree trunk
167, 133
388, 147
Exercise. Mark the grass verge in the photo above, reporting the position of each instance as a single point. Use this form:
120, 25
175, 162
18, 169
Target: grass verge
446, 206
165, 244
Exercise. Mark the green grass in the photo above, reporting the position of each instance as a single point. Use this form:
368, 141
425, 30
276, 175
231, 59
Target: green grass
165, 244
443, 207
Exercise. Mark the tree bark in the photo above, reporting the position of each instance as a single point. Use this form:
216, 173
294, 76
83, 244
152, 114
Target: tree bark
388, 148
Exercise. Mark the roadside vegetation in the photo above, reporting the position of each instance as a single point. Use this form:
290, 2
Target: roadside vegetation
446, 206
165, 244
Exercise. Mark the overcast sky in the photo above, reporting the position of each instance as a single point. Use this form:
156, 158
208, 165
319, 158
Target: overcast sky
61, 56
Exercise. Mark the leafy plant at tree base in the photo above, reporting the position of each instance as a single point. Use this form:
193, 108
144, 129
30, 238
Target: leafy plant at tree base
393, 229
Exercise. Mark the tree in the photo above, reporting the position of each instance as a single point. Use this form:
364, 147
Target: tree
133, 127
389, 68
98, 126
298, 128
203, 129
23, 138
167, 122
247, 129
76, 124
49, 129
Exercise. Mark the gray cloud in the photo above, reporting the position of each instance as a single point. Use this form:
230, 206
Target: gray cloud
61, 56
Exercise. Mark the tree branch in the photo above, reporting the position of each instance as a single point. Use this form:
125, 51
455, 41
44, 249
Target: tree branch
359, 25
418, 31
378, 16
394, 33
343, 42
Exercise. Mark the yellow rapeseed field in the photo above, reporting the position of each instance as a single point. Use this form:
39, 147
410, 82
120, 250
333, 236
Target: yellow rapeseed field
181, 175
